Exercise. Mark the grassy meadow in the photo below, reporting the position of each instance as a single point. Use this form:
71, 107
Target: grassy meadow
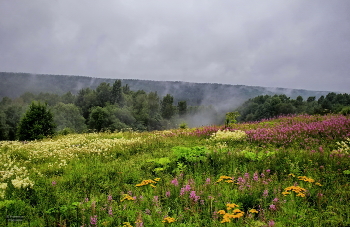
288, 171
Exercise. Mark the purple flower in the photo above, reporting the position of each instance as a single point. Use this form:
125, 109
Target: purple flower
109, 198
187, 188
271, 223
175, 182
155, 199
272, 207
167, 194
93, 220
275, 200
193, 196
110, 211
268, 171
256, 176
207, 181
266, 193
53, 183
240, 180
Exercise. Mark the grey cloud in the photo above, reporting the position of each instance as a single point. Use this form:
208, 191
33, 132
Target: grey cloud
292, 43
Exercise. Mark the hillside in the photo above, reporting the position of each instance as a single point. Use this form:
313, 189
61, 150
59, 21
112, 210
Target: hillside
219, 95
288, 171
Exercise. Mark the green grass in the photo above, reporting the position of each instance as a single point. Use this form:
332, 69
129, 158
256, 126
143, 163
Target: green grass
94, 179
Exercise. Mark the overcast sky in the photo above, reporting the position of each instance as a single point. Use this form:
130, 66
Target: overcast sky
272, 43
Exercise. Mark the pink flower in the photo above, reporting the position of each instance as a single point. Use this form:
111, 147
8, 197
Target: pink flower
271, 223
272, 207
110, 211
266, 193
175, 182
207, 181
93, 220
187, 188
194, 197
256, 176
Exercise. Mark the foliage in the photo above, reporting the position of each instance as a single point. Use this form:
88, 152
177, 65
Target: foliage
37, 123
266, 106
231, 118
189, 154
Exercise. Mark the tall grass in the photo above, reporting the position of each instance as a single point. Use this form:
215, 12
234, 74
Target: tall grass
288, 171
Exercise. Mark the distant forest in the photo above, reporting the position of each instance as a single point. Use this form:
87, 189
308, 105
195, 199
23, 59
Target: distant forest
115, 106
108, 107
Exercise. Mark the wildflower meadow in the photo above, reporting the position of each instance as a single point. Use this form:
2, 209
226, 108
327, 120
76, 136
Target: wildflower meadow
286, 171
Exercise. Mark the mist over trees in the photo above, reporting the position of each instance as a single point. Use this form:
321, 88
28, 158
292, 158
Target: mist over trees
116, 106
108, 107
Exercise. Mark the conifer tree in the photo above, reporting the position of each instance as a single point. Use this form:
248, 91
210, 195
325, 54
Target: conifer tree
37, 123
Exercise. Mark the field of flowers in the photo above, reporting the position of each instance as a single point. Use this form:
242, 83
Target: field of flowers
288, 171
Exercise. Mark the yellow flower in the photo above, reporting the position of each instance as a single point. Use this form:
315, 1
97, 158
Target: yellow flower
291, 174
237, 211
299, 190
126, 224
221, 212
168, 220
306, 179
224, 178
157, 179
319, 184
253, 211
238, 215
127, 197
146, 182
231, 206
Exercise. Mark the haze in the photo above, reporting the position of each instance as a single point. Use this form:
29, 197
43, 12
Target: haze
291, 43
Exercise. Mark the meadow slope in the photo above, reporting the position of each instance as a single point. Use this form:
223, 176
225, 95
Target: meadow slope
288, 171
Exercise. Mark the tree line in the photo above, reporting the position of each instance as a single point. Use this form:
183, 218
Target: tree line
109, 107
114, 107
267, 106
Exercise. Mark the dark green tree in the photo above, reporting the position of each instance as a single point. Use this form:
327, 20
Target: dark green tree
86, 99
13, 116
37, 123
68, 98
99, 119
103, 94
117, 93
167, 108
68, 116
3, 127
182, 108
